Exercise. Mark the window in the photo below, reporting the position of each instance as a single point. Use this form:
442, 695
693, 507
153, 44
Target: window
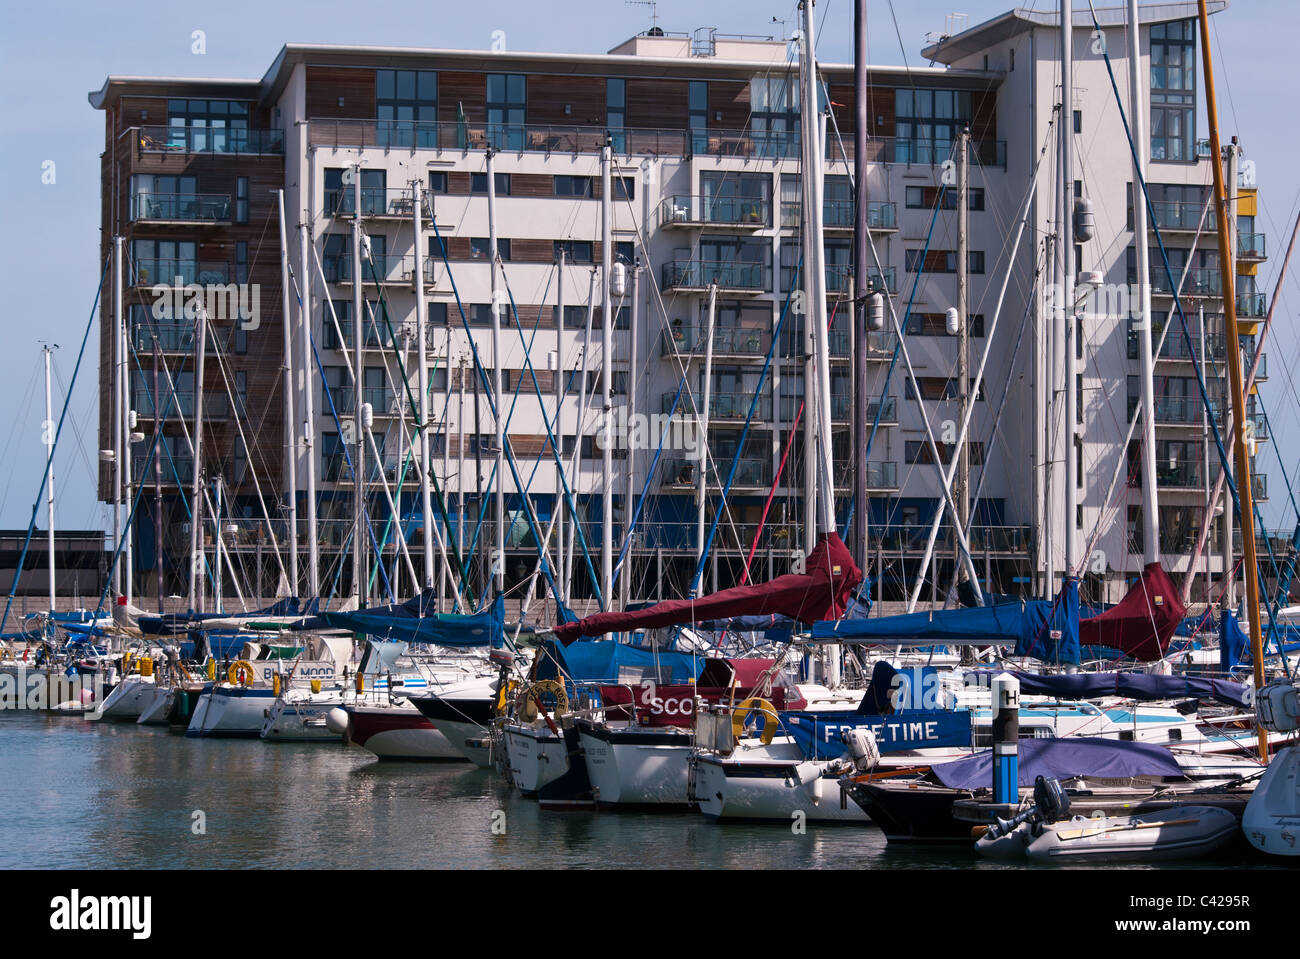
162, 261
615, 106
928, 123
623, 250
575, 317
217, 125
918, 451
241, 261
925, 197
577, 186
590, 451
343, 310
506, 102
241, 199
575, 251
939, 388
736, 198
698, 122
480, 314
478, 184
331, 457
1173, 91
775, 118
437, 181
480, 248
341, 192
406, 108
1078, 121
936, 324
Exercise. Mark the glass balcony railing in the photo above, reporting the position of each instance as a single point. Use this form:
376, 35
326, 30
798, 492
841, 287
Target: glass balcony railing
216, 406
193, 139
384, 266
1200, 281
172, 337
1181, 215
698, 274
1175, 346
716, 210
882, 475
181, 207
838, 215
726, 341
1252, 305
1251, 246
1181, 410
147, 272
750, 471
375, 202
723, 405
1259, 484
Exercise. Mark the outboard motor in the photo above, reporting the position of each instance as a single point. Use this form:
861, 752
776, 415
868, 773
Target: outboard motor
1051, 804
1277, 707
862, 749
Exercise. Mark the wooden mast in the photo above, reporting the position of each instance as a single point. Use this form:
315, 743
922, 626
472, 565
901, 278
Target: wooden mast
1245, 488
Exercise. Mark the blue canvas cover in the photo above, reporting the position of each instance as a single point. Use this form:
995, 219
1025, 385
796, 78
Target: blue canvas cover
1064, 759
1130, 685
597, 660
416, 622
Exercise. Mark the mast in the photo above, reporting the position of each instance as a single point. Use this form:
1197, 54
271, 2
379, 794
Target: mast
308, 418
706, 389
157, 478
499, 490
962, 491
196, 487
1245, 487
359, 455
861, 287
1067, 319
48, 432
422, 360
1137, 111
1231, 343
606, 378
290, 427
634, 333
217, 603
815, 271
558, 433
117, 409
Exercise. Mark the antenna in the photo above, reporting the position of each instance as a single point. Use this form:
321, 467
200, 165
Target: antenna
654, 10
784, 33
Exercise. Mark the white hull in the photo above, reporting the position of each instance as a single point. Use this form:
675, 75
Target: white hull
536, 756
636, 766
767, 788
231, 711
127, 700
155, 712
299, 722
468, 739
1272, 819
413, 744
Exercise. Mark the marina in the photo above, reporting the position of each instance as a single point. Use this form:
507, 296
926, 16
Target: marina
700, 455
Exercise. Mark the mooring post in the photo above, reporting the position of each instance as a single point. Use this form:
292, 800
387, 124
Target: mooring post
1006, 738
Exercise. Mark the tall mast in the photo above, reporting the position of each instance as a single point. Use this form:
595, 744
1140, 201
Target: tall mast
815, 271
1231, 342
1137, 113
157, 478
706, 389
308, 416
359, 455
1245, 488
634, 332
861, 288
48, 433
124, 384
558, 431
196, 487
499, 553
1065, 250
607, 377
217, 600
962, 491
422, 359
290, 426
117, 408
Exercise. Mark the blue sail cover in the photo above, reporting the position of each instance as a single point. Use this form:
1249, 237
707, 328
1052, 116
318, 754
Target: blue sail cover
596, 660
180, 622
1143, 686
416, 622
1233, 642
1026, 624
1064, 759
820, 734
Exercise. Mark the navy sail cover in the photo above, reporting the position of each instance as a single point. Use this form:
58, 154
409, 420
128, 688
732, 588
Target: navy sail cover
1064, 759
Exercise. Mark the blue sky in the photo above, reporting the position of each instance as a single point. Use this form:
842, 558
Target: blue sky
52, 54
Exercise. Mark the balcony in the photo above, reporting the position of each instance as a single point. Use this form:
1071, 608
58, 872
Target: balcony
1181, 410
376, 203
837, 215
731, 277
750, 213
185, 140
839, 347
148, 272
628, 141
1259, 486
1251, 247
882, 475
1181, 216
387, 267
172, 337
187, 208
1252, 305
839, 280
752, 472
1175, 346
742, 342
1201, 281
216, 406
723, 406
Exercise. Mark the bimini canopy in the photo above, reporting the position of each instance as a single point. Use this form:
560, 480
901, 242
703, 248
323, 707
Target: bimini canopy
1064, 759
416, 622
820, 593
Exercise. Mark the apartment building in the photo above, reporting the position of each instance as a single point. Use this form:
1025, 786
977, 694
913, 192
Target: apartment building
705, 200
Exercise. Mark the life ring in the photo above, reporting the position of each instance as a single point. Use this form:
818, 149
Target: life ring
503, 696
241, 673
755, 705
528, 704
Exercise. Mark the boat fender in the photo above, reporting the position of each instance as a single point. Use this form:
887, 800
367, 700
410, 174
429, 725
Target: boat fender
336, 720
275, 685
240, 673
762, 707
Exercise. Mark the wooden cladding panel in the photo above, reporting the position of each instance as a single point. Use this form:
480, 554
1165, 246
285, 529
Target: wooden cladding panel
458, 248
730, 101
325, 85
548, 96
467, 89
531, 251
458, 182
656, 104
532, 184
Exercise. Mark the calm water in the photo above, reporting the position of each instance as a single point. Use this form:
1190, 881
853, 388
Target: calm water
90, 795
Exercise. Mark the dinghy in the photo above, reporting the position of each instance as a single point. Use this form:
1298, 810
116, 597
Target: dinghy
1272, 818
1179, 832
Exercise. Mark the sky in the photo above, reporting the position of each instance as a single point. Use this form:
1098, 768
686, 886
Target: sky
52, 54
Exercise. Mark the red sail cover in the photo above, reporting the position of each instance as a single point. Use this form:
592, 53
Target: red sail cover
1143, 622
820, 593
